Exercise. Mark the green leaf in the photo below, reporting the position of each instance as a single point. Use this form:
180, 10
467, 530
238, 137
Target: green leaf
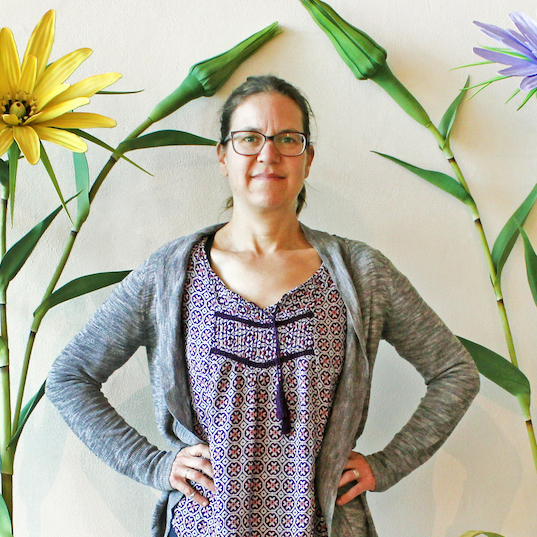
14, 153
517, 91
509, 234
104, 145
531, 264
78, 287
52, 175
25, 414
441, 180
106, 92
17, 255
475, 533
502, 372
4, 175
446, 124
6, 529
82, 187
4, 353
163, 138
528, 97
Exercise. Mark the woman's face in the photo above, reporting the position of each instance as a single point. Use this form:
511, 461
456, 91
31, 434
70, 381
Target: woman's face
268, 180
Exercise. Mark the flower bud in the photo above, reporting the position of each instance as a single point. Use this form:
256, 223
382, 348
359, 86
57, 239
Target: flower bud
207, 77
356, 48
365, 57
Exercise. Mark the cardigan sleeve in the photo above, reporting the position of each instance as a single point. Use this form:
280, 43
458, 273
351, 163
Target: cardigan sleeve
448, 370
74, 383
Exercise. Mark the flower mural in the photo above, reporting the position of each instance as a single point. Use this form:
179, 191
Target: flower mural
36, 103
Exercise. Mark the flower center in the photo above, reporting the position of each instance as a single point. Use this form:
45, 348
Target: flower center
22, 107
18, 109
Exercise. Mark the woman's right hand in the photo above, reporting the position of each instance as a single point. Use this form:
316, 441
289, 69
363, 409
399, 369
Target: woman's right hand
193, 464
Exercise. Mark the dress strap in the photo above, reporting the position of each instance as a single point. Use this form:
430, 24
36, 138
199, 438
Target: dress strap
209, 245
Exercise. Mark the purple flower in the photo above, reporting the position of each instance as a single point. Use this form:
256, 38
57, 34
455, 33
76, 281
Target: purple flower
521, 54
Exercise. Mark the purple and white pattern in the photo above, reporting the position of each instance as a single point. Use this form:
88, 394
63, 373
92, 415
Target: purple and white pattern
237, 354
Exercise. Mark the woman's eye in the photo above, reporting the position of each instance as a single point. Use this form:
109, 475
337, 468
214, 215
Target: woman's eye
249, 139
289, 140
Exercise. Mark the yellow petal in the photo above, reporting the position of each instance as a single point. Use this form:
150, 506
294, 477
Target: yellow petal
60, 71
28, 141
51, 95
79, 120
54, 111
10, 59
27, 79
41, 41
6, 139
4, 84
88, 87
64, 138
11, 119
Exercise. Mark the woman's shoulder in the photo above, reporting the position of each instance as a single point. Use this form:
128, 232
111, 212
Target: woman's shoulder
177, 250
358, 253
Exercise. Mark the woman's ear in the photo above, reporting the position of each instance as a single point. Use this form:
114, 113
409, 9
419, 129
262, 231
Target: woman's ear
310, 153
221, 152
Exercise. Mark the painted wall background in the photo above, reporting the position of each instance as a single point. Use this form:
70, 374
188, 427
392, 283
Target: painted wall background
482, 478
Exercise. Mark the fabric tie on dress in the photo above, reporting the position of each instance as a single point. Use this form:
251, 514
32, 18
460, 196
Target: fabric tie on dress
282, 409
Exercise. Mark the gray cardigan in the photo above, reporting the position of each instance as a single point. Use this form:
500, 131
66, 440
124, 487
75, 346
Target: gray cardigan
144, 310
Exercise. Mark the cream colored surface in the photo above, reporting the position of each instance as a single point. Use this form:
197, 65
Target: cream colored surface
483, 477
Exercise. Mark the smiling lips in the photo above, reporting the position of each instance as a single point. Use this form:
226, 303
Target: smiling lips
267, 176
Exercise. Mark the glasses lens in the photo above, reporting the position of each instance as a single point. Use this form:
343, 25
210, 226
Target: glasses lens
290, 144
247, 143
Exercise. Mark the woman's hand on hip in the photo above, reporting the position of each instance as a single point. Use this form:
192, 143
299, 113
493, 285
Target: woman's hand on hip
356, 469
193, 465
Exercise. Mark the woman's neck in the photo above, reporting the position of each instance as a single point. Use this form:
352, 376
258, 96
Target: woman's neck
261, 234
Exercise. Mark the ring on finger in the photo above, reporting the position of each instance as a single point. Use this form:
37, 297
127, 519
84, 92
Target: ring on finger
356, 473
192, 494
186, 473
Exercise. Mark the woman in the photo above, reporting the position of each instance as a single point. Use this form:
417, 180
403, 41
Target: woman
261, 337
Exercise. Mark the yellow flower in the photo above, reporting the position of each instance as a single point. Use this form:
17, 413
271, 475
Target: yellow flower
36, 103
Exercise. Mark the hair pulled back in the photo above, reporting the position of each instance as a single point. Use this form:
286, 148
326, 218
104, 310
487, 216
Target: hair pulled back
254, 85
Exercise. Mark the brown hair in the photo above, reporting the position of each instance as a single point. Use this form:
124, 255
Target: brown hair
265, 84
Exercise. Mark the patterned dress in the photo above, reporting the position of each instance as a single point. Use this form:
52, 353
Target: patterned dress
262, 382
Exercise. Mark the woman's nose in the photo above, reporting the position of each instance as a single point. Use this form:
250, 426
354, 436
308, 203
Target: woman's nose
268, 152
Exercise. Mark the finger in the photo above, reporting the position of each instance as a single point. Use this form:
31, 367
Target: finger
202, 479
199, 450
347, 477
195, 496
358, 489
199, 464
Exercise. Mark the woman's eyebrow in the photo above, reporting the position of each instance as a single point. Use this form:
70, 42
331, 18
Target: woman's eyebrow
257, 129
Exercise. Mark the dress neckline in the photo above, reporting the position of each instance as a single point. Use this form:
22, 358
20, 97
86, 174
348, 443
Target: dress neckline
208, 241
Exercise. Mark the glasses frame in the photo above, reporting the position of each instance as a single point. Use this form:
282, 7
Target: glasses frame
232, 134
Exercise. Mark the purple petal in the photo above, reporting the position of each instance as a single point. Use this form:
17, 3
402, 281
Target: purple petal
526, 25
528, 83
505, 37
529, 69
492, 56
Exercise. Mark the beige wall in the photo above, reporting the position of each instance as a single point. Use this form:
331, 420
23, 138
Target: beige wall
482, 478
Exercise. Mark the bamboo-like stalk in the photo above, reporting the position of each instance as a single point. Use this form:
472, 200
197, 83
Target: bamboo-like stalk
37, 322
6, 453
59, 270
496, 284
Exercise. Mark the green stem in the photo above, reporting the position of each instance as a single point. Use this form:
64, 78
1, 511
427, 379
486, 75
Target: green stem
37, 322
59, 269
114, 158
533, 443
444, 146
6, 453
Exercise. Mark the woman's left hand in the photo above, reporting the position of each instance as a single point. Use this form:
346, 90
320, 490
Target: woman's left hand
357, 469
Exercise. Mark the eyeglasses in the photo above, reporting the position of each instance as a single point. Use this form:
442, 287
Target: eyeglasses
248, 143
